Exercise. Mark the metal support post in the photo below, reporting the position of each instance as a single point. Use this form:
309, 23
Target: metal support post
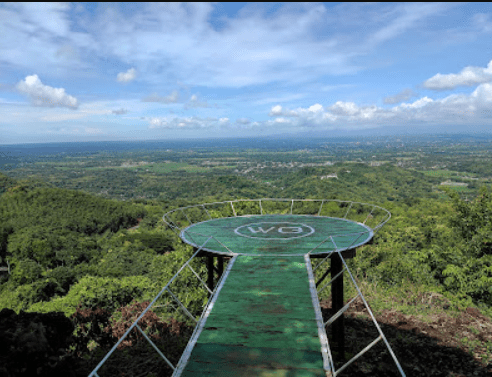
337, 304
210, 269
220, 266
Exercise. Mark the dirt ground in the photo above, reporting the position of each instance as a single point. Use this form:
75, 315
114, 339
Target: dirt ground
443, 344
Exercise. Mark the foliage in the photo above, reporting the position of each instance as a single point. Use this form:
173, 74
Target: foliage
34, 344
85, 256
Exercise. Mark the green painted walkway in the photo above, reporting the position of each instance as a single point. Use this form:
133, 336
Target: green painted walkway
262, 323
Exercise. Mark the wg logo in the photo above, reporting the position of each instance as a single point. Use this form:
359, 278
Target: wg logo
274, 230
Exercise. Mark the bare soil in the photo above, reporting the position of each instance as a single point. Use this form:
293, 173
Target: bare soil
444, 344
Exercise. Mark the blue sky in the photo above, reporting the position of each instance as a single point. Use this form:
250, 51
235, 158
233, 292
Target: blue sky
82, 72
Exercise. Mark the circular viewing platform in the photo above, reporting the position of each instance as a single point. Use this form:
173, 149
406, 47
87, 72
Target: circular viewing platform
281, 227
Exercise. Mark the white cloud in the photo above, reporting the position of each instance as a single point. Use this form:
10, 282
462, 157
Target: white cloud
127, 76
469, 76
482, 22
182, 123
344, 108
404, 95
44, 95
315, 108
405, 17
279, 110
456, 109
154, 97
76, 131
167, 42
252, 48
417, 104
38, 36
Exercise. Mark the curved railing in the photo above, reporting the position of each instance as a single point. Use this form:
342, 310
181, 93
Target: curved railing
371, 216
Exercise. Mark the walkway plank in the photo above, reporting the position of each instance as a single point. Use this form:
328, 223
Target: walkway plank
262, 324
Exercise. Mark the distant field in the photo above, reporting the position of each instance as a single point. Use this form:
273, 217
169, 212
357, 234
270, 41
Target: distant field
462, 189
442, 173
168, 167
159, 168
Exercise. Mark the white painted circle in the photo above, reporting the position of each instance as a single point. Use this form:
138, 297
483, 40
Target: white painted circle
261, 230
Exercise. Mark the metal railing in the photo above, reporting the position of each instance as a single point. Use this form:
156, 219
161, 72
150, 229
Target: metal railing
172, 297
371, 216
341, 311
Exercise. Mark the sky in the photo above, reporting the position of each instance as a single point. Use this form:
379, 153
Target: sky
137, 71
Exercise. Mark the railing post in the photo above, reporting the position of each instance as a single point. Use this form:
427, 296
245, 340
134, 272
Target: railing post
337, 304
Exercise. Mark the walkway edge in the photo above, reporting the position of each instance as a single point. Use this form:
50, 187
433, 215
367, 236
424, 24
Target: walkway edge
323, 337
196, 334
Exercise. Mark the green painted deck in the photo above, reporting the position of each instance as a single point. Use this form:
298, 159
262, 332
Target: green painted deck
262, 323
277, 234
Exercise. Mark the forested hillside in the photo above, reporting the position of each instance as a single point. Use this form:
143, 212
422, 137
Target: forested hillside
73, 252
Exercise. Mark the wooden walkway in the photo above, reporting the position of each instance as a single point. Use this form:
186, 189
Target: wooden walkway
264, 322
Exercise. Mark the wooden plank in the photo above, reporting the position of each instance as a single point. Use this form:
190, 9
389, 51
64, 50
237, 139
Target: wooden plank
262, 324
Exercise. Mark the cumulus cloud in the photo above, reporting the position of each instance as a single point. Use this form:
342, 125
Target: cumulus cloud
456, 109
171, 98
280, 111
469, 76
119, 111
44, 95
127, 76
404, 95
182, 123
344, 108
